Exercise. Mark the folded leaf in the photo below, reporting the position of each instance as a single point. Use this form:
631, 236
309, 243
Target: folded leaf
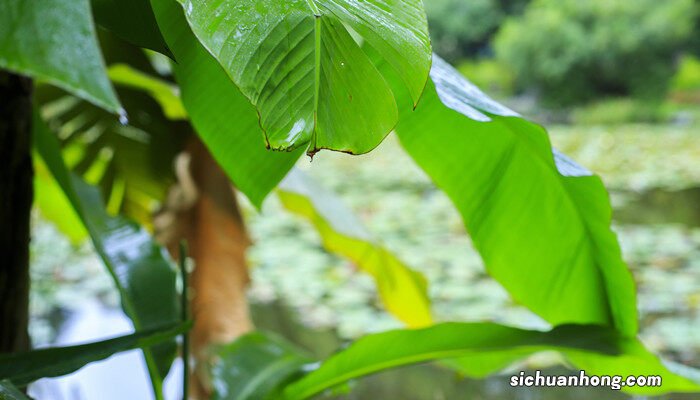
221, 115
310, 81
132, 20
144, 277
598, 350
24, 368
255, 367
54, 40
540, 222
402, 290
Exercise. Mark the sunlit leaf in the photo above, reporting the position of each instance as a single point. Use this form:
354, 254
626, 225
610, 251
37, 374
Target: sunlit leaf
402, 290
597, 350
297, 62
540, 222
166, 94
255, 366
24, 368
221, 115
54, 205
144, 277
54, 40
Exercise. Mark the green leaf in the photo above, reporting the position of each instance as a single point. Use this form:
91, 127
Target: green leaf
255, 366
9, 392
142, 274
402, 290
131, 20
310, 81
166, 94
599, 350
54, 40
131, 164
24, 368
540, 222
222, 117
54, 205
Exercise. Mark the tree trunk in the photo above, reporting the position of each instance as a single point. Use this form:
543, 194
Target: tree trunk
16, 193
207, 217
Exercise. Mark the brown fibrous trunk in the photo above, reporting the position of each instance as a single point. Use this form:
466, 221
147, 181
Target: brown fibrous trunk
202, 210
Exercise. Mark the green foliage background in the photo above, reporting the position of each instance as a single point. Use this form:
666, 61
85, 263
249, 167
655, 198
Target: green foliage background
573, 51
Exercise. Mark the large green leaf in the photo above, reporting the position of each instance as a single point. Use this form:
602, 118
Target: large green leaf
141, 272
54, 40
599, 350
132, 20
255, 366
24, 368
222, 117
540, 222
296, 61
9, 392
402, 290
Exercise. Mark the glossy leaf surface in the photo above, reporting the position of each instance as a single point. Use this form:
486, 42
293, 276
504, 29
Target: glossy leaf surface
221, 115
54, 41
402, 290
599, 350
540, 222
132, 20
24, 368
143, 275
255, 366
310, 81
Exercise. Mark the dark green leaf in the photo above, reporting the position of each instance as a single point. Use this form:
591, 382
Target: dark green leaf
403, 290
254, 367
598, 350
24, 368
540, 222
54, 40
9, 392
222, 117
311, 82
144, 277
132, 20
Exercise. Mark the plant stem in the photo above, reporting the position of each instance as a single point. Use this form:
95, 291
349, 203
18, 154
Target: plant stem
185, 317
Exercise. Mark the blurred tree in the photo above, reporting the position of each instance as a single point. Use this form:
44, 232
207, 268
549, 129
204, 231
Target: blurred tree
573, 51
695, 38
513, 6
464, 28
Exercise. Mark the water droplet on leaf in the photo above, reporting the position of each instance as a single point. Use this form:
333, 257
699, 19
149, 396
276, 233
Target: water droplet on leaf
123, 118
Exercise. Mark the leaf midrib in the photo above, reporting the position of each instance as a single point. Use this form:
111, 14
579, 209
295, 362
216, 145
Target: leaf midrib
317, 62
